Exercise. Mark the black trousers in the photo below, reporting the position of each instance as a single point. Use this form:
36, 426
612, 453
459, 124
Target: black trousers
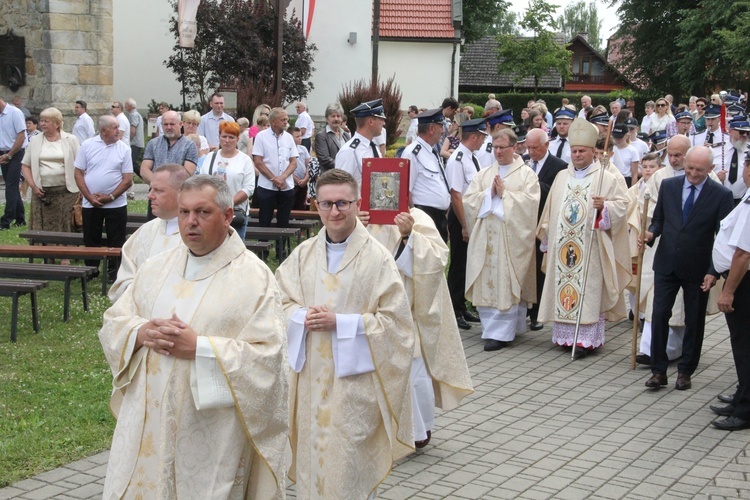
269, 200
534, 310
308, 144
457, 267
739, 335
666, 287
14, 211
438, 217
115, 221
135, 155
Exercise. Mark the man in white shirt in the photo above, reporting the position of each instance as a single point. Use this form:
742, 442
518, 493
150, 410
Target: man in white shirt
370, 120
585, 103
731, 174
104, 172
209, 126
411, 133
275, 157
305, 124
12, 145
731, 258
123, 124
428, 186
84, 126
560, 146
646, 121
495, 122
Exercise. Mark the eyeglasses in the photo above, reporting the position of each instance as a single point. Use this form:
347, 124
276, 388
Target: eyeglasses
113, 106
501, 147
743, 132
342, 205
661, 105
701, 105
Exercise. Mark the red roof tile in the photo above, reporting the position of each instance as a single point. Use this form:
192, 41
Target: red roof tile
416, 19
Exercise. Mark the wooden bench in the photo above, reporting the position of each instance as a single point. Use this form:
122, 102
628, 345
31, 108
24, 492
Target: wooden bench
281, 235
296, 214
261, 248
16, 289
306, 226
32, 252
65, 274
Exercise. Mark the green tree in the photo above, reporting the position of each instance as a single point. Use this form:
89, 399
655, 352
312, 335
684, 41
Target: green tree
582, 17
649, 31
737, 41
534, 56
481, 17
234, 47
705, 62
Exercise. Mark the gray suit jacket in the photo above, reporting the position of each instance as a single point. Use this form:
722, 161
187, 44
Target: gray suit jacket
326, 147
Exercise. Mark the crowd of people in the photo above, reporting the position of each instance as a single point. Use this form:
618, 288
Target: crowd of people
345, 352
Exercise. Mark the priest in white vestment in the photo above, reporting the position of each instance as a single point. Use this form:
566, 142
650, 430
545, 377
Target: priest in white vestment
439, 373
199, 364
351, 342
581, 196
500, 206
157, 235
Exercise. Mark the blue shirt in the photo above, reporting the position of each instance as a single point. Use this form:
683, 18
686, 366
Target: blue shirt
686, 190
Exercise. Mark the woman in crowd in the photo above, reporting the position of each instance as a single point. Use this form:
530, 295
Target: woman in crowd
261, 110
329, 140
699, 121
661, 117
245, 138
234, 166
190, 121
624, 156
453, 139
48, 167
525, 117
536, 119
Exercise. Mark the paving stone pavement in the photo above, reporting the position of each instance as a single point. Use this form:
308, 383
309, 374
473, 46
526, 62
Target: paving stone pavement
540, 426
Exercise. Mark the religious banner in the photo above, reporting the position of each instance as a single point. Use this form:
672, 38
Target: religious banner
385, 188
188, 27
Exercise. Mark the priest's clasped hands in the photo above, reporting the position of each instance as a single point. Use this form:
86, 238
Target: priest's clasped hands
170, 337
498, 186
320, 319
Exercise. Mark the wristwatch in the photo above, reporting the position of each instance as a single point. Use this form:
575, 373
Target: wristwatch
112, 196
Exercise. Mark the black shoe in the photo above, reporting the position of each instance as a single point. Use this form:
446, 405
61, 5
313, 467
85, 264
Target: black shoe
19, 224
535, 325
643, 359
581, 352
470, 317
462, 324
731, 424
726, 398
495, 345
631, 316
4, 228
657, 381
723, 411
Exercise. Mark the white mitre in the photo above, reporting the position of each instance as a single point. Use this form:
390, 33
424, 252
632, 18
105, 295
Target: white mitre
582, 133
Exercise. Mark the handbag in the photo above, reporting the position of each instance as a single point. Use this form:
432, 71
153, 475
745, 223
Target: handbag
77, 214
240, 217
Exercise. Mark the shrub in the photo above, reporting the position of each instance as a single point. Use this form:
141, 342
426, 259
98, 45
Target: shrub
354, 93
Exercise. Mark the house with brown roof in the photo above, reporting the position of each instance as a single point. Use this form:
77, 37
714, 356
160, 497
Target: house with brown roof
590, 71
419, 44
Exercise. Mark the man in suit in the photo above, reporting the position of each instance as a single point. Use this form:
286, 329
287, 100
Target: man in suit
687, 216
546, 166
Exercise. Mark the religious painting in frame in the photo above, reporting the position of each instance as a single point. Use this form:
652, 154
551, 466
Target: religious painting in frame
385, 188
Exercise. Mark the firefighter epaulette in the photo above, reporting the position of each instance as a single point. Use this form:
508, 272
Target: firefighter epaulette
417, 149
489, 147
354, 144
459, 156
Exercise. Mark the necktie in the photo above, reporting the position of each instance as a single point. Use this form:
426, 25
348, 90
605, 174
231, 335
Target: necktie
440, 166
375, 152
559, 149
475, 161
733, 168
710, 137
688, 206
536, 167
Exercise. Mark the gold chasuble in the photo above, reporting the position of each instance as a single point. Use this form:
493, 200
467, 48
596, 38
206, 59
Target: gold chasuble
346, 432
163, 447
152, 238
565, 227
501, 258
438, 339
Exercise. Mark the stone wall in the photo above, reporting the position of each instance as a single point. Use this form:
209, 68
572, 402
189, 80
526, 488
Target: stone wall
69, 47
